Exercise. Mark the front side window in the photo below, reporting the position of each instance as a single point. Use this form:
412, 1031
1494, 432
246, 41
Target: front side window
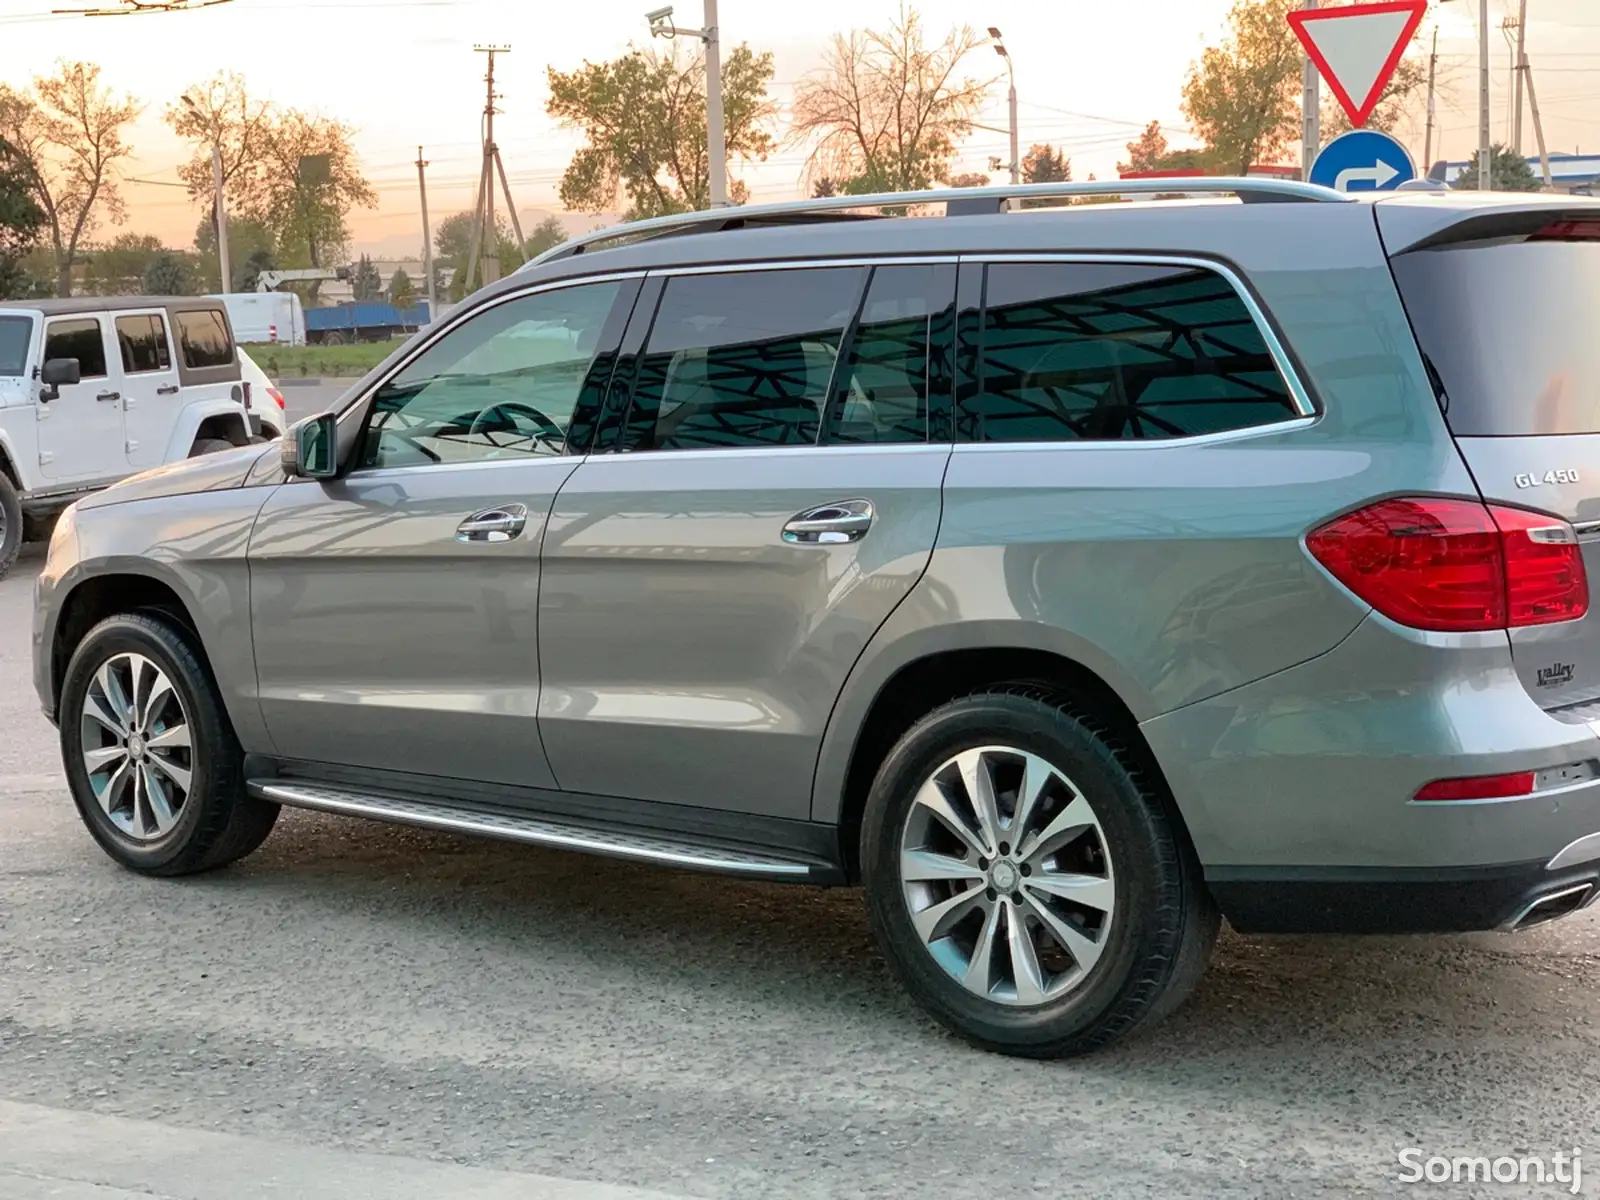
80, 340
203, 336
741, 359
143, 340
502, 385
1119, 352
15, 334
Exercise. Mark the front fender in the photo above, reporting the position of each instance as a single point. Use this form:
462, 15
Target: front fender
19, 461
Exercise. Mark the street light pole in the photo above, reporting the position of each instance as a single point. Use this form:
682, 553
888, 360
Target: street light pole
710, 35
219, 201
1485, 152
1011, 102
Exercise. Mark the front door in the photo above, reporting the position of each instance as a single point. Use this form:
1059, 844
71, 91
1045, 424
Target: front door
395, 610
708, 588
80, 432
151, 396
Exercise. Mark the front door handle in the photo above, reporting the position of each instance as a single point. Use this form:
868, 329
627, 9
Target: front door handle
499, 524
108, 396
170, 389
831, 524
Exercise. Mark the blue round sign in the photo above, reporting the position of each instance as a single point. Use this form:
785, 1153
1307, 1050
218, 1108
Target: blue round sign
1363, 160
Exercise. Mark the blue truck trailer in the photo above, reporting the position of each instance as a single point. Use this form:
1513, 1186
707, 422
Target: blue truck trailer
346, 323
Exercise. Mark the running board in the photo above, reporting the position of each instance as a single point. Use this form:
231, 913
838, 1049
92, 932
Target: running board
531, 830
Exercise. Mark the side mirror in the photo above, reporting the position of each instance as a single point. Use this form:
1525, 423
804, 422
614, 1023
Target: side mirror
56, 374
309, 450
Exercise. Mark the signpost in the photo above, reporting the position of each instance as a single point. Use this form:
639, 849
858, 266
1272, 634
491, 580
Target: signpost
1357, 48
1363, 160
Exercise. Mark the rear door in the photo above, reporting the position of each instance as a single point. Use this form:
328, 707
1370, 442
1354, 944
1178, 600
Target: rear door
80, 432
150, 391
775, 493
1505, 310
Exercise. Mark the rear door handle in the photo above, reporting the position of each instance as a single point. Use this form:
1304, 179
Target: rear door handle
109, 396
499, 524
830, 524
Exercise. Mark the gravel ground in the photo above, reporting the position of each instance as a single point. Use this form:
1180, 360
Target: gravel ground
361, 987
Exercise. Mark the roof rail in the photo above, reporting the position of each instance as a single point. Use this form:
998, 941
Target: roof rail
957, 201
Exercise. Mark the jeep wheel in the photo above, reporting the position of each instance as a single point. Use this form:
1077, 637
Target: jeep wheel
1026, 880
152, 761
10, 526
209, 446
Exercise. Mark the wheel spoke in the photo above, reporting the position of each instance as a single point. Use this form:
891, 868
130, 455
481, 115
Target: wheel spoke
178, 775
932, 798
141, 807
980, 968
974, 766
923, 866
1069, 823
1092, 891
176, 738
935, 921
1085, 951
156, 799
115, 698
98, 760
136, 700
160, 691
1036, 775
100, 711
107, 796
1025, 968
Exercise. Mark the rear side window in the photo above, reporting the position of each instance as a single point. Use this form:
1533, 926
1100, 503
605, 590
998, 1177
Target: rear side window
15, 333
1508, 334
144, 344
1119, 352
741, 359
80, 340
203, 336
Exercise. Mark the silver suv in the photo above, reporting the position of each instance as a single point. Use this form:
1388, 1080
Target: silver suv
1067, 578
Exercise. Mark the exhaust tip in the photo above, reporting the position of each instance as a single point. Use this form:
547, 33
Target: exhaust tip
1554, 906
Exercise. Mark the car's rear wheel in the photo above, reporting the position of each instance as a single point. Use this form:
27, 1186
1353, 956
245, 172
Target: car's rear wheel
154, 767
10, 526
209, 446
1026, 880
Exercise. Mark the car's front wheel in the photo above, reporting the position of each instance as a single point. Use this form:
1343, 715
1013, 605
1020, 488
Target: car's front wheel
1025, 879
10, 525
152, 761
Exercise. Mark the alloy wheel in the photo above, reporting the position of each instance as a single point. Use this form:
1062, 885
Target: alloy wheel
1006, 875
137, 749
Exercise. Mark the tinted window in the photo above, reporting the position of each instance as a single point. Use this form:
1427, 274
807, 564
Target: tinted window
1508, 333
204, 338
144, 344
882, 394
1112, 352
741, 359
80, 340
502, 385
15, 333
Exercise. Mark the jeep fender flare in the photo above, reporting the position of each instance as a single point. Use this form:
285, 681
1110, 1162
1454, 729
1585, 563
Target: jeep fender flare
197, 414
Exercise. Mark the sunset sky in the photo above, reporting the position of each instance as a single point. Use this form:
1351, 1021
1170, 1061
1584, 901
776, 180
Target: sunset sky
1090, 73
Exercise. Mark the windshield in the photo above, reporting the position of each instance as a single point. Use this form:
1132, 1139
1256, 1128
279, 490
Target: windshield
1507, 331
15, 333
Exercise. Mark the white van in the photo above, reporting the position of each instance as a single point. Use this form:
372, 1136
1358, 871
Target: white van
266, 317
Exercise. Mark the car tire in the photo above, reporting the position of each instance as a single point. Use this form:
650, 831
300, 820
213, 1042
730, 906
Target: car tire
10, 526
1121, 845
171, 803
209, 446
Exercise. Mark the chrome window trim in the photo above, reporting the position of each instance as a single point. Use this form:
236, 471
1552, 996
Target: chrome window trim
1147, 445
1280, 355
807, 264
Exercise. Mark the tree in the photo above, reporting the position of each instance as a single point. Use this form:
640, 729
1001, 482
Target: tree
68, 136
220, 113
1508, 172
1241, 97
1046, 164
887, 111
306, 183
453, 241
119, 267
402, 293
366, 283
252, 248
547, 234
166, 276
969, 180
823, 187
644, 118
21, 219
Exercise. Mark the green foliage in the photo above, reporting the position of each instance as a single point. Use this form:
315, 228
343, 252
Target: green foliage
402, 292
453, 241
1508, 172
547, 234
644, 118
252, 248
366, 283
1046, 164
1241, 96
21, 220
971, 179
353, 360
167, 275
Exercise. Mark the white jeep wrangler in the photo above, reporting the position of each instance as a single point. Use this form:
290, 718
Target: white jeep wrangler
95, 389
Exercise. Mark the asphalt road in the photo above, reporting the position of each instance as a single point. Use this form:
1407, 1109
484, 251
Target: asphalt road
355, 987
302, 400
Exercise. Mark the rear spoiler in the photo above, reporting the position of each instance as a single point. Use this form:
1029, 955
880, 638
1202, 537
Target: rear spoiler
1419, 221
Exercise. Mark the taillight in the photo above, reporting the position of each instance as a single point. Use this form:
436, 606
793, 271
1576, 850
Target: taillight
1479, 787
277, 397
1456, 566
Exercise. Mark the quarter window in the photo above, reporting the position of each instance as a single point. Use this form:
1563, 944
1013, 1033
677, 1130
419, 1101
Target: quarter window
741, 359
503, 385
144, 344
203, 336
80, 340
1120, 352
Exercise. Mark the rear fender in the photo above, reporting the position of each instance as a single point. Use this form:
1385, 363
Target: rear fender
227, 415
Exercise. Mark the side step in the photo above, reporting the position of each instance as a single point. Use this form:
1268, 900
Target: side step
532, 830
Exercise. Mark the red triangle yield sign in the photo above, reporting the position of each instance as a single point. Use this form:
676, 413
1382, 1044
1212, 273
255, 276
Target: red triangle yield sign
1357, 48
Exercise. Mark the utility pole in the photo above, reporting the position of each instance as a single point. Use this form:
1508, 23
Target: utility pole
1538, 127
488, 231
1311, 111
1433, 73
1485, 149
427, 239
1522, 74
222, 218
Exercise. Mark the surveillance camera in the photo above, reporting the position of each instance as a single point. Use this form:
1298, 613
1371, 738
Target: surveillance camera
659, 16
